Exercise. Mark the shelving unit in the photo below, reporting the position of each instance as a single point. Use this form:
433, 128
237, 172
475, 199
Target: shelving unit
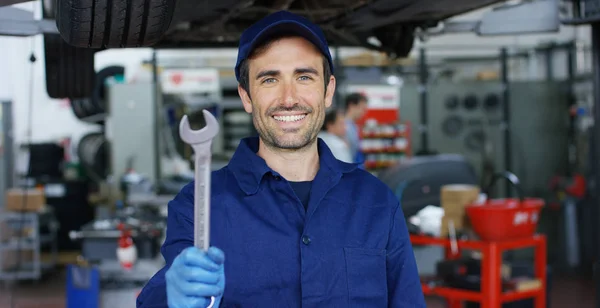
491, 294
21, 236
384, 145
237, 124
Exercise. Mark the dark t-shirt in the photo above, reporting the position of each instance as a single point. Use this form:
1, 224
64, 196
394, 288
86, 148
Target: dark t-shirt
302, 190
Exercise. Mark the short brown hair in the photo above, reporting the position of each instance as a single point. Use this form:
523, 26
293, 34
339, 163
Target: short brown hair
354, 99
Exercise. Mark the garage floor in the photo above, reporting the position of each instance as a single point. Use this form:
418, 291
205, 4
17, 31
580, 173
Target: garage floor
50, 293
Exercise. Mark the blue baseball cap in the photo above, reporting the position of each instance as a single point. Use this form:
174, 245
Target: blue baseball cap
275, 23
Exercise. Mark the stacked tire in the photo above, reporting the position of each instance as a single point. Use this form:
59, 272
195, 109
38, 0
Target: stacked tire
95, 105
93, 148
93, 152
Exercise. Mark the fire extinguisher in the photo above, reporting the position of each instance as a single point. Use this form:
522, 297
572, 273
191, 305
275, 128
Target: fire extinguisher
126, 250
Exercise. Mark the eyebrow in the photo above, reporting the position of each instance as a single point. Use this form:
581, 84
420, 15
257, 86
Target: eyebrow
302, 70
306, 70
267, 73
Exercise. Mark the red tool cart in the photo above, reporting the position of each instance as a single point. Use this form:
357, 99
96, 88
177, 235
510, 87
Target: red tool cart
501, 225
491, 295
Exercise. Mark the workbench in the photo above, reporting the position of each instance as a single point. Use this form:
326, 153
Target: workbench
491, 294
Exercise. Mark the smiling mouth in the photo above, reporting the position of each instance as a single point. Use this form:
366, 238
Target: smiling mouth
289, 118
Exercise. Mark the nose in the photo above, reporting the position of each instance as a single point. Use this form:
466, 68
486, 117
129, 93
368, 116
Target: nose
290, 97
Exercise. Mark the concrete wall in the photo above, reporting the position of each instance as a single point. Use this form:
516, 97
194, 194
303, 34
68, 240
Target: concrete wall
52, 119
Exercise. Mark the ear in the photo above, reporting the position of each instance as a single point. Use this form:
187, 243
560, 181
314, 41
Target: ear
330, 91
246, 101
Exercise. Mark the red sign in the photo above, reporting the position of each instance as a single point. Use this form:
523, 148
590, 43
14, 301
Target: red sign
177, 78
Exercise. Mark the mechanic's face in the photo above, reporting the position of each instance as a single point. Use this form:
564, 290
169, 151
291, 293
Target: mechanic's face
288, 98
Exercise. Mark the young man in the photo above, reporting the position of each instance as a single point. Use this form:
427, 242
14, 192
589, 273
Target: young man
290, 225
355, 108
333, 134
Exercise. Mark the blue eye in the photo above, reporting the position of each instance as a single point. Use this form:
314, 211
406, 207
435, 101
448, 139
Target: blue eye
304, 78
269, 80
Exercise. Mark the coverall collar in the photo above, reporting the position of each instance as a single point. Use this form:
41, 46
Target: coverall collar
249, 168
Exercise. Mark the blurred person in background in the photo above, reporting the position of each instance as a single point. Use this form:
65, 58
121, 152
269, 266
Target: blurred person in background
355, 108
334, 134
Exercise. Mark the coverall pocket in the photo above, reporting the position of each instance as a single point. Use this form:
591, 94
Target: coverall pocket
367, 279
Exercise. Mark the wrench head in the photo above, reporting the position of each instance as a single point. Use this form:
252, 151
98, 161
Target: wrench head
207, 133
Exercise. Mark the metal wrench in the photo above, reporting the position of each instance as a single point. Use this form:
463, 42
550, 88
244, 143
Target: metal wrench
201, 141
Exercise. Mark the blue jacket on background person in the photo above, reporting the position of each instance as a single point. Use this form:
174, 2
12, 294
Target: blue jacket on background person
353, 138
349, 248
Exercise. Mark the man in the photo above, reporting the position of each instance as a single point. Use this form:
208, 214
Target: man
333, 134
291, 226
356, 107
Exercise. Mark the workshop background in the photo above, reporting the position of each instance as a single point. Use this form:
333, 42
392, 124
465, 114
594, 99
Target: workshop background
461, 118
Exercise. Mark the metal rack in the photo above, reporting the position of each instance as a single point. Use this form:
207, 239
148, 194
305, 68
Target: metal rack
28, 238
386, 145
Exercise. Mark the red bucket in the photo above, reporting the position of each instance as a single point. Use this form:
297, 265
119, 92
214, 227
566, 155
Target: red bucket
505, 219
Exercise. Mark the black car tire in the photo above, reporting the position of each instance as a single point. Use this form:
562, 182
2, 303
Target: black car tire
113, 23
77, 105
69, 70
96, 103
99, 93
92, 151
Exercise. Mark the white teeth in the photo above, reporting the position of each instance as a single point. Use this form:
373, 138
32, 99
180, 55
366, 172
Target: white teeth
290, 118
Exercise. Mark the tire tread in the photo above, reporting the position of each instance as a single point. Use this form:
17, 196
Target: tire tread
113, 23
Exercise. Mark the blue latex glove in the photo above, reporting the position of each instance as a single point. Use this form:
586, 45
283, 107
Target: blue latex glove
194, 277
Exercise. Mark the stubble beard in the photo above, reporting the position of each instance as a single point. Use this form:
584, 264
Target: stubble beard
271, 140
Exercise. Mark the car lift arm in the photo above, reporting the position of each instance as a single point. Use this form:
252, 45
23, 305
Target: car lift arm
19, 22
12, 2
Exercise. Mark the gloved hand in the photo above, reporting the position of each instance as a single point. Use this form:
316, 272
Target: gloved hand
194, 277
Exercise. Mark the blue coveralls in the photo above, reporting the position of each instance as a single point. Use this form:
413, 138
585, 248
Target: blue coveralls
350, 248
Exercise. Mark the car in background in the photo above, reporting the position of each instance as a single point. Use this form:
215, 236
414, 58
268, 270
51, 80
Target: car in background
88, 26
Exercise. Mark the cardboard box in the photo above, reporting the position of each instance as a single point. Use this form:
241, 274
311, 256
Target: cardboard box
9, 257
459, 193
30, 200
454, 209
454, 198
460, 223
523, 284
